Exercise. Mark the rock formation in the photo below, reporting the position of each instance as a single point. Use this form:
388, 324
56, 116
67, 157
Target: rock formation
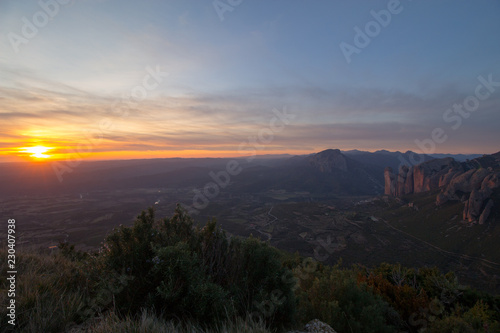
471, 182
329, 159
426, 175
409, 181
390, 181
403, 174
316, 326
486, 212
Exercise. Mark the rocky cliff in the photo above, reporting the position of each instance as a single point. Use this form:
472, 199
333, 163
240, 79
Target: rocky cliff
471, 182
328, 160
341, 174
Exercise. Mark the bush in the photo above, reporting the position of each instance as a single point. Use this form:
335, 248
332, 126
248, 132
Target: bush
184, 287
334, 296
187, 272
398, 286
451, 324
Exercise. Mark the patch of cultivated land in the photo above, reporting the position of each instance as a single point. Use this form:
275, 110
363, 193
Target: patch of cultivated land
82, 219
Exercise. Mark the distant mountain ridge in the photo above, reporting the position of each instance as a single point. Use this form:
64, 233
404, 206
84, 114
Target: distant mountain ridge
457, 157
384, 158
328, 172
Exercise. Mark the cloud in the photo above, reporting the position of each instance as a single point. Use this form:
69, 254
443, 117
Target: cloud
340, 118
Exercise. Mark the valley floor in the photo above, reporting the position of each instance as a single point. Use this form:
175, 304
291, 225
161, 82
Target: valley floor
361, 230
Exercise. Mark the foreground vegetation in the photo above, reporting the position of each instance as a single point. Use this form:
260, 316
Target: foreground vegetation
167, 275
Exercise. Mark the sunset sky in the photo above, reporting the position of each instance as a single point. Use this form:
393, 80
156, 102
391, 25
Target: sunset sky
158, 78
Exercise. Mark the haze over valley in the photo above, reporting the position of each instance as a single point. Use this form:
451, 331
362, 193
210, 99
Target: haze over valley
228, 166
327, 205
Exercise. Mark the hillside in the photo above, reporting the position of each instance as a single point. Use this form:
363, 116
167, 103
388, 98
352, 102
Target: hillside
168, 275
472, 182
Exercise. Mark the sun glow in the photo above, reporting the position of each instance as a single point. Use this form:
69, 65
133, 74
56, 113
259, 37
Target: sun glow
37, 151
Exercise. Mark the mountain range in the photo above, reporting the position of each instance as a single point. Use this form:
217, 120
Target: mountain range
330, 172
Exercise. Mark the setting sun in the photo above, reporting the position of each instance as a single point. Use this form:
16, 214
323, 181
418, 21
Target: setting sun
37, 151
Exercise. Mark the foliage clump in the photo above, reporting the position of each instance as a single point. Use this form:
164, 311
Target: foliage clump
335, 296
183, 271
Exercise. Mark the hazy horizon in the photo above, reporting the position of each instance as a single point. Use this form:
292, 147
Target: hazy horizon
263, 155
124, 80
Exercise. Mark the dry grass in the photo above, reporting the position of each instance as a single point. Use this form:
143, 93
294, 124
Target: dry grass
150, 323
52, 295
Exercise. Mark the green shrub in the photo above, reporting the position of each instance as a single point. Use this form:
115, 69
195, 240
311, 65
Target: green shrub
451, 324
184, 287
202, 274
333, 295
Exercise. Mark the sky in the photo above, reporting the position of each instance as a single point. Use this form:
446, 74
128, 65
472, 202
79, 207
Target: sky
118, 79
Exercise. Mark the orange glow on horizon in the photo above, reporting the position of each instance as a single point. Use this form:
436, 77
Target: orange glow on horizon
187, 153
38, 152
47, 151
